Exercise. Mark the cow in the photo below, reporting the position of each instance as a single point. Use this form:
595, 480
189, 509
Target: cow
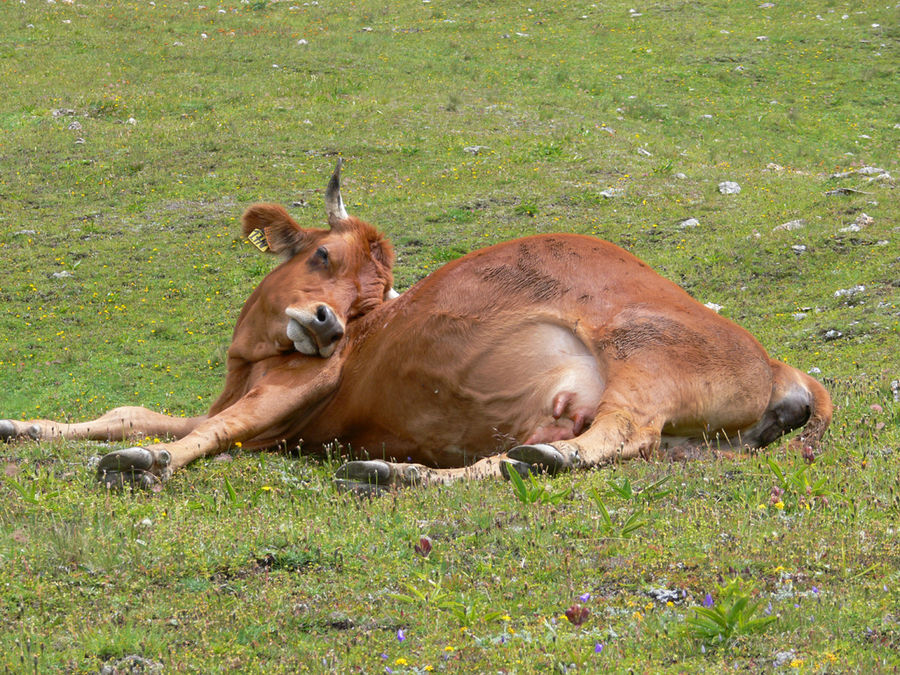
546, 353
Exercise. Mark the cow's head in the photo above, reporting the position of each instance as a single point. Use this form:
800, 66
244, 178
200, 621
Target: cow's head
326, 278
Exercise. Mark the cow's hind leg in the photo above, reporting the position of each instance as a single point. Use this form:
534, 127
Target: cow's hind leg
119, 424
615, 434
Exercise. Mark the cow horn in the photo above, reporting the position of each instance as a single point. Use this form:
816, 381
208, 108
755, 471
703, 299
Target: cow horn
334, 205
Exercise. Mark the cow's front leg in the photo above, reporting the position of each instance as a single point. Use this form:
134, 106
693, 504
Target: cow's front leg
289, 393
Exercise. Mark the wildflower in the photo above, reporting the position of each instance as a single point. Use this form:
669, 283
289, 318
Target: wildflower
584, 597
506, 617
797, 663
428, 668
401, 635
449, 648
400, 662
577, 615
779, 505
598, 647
708, 601
423, 548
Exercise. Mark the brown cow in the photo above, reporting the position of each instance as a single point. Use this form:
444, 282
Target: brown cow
545, 353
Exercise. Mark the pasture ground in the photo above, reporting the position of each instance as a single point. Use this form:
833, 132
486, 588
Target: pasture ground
132, 135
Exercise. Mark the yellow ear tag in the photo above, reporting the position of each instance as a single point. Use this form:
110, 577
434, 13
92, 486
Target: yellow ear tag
258, 239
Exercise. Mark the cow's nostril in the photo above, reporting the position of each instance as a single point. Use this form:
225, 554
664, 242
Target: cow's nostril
321, 313
337, 336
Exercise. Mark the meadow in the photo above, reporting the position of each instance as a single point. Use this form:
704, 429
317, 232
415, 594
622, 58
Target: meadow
133, 135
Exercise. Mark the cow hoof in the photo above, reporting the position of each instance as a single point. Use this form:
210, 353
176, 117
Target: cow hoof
137, 467
364, 478
539, 458
10, 432
7, 430
520, 468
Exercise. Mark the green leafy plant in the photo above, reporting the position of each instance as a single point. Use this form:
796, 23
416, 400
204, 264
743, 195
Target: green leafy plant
635, 493
631, 524
532, 491
731, 616
797, 487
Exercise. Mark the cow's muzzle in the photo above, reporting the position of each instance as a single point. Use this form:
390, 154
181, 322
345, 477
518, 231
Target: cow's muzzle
315, 330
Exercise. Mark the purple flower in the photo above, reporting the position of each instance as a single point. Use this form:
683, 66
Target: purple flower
383, 656
584, 597
768, 610
423, 548
577, 615
708, 601
598, 647
815, 590
401, 635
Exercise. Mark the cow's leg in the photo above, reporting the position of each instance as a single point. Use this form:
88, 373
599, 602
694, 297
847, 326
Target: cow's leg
374, 476
119, 424
616, 433
269, 403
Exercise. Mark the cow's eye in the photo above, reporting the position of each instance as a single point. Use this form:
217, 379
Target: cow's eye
322, 255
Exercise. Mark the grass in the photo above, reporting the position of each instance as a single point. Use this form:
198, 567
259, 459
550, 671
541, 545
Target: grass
253, 562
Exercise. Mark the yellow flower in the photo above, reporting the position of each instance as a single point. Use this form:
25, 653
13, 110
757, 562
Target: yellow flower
400, 662
506, 617
796, 663
449, 648
778, 505
638, 616
428, 669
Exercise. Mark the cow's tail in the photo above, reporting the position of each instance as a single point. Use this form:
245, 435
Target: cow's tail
820, 411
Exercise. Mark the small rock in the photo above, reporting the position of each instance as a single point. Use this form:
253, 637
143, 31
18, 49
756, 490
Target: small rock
65, 274
849, 292
790, 226
895, 390
62, 112
680, 176
302, 42
131, 121
851, 228
771, 166
762, 38
814, 371
25, 232
729, 188
475, 149
132, 665
644, 152
784, 658
75, 126
690, 222
799, 248
609, 193
664, 595
713, 306
799, 316
79, 141
833, 334
767, 5
844, 191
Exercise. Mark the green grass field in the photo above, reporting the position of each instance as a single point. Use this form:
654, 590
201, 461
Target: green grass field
132, 136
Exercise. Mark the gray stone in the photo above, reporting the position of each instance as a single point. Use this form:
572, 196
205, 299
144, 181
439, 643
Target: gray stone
729, 187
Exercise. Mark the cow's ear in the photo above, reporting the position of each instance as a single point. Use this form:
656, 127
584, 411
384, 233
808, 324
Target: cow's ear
272, 229
383, 252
